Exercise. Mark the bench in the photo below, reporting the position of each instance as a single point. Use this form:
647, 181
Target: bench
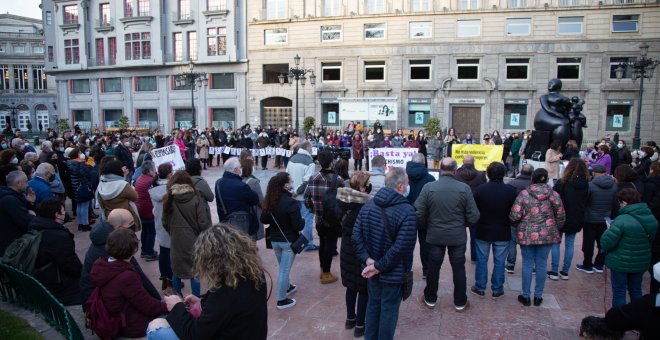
19, 288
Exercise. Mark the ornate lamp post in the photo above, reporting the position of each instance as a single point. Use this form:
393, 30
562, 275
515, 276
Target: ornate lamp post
642, 67
194, 80
298, 74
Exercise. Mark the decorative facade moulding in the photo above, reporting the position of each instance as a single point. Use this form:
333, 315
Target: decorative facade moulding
217, 13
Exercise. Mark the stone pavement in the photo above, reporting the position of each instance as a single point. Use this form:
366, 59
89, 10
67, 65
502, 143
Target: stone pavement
320, 311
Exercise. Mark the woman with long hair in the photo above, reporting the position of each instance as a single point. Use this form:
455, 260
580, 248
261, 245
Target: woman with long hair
341, 168
437, 144
235, 304
450, 139
282, 213
553, 157
540, 214
573, 188
421, 140
178, 141
184, 218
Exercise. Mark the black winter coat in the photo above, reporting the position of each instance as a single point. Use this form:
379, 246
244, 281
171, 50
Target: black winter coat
350, 201
602, 199
57, 247
652, 198
14, 216
418, 175
574, 195
287, 214
494, 200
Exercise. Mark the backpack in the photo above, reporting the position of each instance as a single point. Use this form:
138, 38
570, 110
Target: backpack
332, 213
99, 320
22, 253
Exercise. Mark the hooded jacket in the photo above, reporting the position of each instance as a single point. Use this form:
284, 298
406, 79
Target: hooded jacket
391, 245
143, 201
628, 240
471, 176
602, 199
14, 216
574, 195
301, 169
541, 214
350, 201
122, 291
418, 175
115, 193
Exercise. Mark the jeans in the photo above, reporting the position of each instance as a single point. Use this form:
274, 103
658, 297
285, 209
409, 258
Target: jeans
162, 333
148, 237
82, 212
285, 257
592, 233
481, 273
473, 246
308, 217
534, 257
569, 240
194, 285
353, 298
457, 261
622, 282
513, 248
164, 264
382, 310
423, 250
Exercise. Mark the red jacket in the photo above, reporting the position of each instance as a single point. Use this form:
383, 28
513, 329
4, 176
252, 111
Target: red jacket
122, 289
143, 201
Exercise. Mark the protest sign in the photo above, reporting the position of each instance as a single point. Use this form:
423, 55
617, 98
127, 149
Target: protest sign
483, 154
394, 157
169, 154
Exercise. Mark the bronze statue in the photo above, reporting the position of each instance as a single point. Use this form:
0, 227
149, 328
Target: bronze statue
560, 116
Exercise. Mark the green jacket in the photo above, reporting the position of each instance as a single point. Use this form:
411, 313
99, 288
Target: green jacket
628, 240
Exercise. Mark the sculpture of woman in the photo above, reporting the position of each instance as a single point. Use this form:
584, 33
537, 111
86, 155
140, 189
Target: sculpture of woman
554, 114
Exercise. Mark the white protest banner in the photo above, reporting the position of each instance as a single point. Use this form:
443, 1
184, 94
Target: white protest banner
394, 157
169, 154
227, 150
315, 151
287, 153
262, 152
270, 151
211, 151
255, 152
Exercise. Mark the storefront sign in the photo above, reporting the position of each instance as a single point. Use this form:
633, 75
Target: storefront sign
483, 154
332, 117
419, 117
382, 109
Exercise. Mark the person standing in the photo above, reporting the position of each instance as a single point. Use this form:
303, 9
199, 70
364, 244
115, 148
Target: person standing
377, 173
301, 169
384, 241
652, 198
232, 195
157, 194
145, 210
203, 148
445, 208
450, 139
358, 152
81, 175
469, 175
437, 146
552, 159
418, 175
493, 230
540, 214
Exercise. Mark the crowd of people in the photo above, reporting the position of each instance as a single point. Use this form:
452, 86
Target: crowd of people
610, 195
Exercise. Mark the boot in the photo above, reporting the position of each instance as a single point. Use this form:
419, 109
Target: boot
328, 278
322, 272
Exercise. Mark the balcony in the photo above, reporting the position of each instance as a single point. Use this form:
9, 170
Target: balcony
137, 19
183, 19
70, 25
104, 25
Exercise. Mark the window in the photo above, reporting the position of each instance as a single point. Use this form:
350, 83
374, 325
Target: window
4, 80
568, 3
184, 10
419, 111
374, 31
109, 85
146, 84
515, 115
71, 51
331, 8
614, 64
147, 118
100, 53
468, 28
104, 14
275, 36
517, 68
375, 6
374, 71
517, 3
112, 51
224, 118
467, 4
518, 26
467, 69
216, 5
51, 54
111, 117
420, 5
82, 116
20, 78
618, 116
80, 86
331, 33
217, 41
331, 72
276, 9
192, 45
420, 69
137, 45
37, 49
625, 23
568, 68
272, 72
128, 8
570, 25
222, 81
183, 118
49, 18
19, 49
421, 29
178, 46
70, 14
143, 8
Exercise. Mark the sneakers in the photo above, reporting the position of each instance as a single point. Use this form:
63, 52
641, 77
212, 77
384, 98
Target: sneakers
598, 269
497, 295
553, 276
462, 309
563, 275
525, 301
286, 303
312, 247
430, 305
509, 269
584, 269
292, 289
477, 292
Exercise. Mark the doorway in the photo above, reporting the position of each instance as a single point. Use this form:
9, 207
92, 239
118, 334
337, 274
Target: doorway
466, 119
277, 112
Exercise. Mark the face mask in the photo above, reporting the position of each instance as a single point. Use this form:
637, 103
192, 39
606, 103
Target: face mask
127, 144
4, 145
405, 194
421, 134
620, 146
133, 227
641, 154
61, 149
14, 161
82, 156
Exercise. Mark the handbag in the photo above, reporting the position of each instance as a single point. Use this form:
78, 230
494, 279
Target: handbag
238, 219
298, 245
269, 243
406, 287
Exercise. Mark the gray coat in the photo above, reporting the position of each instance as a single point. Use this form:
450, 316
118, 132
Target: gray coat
445, 208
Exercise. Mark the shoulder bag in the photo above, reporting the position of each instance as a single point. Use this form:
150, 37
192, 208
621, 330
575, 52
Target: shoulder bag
239, 219
298, 245
406, 287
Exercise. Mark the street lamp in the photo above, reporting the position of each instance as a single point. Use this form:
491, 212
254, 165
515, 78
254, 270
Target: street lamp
642, 67
194, 80
297, 74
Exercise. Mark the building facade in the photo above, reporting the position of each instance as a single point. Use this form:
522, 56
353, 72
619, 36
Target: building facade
27, 94
477, 65
122, 58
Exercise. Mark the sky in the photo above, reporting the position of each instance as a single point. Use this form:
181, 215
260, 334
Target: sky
25, 8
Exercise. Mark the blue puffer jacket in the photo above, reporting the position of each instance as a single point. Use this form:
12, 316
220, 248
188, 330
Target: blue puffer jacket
372, 240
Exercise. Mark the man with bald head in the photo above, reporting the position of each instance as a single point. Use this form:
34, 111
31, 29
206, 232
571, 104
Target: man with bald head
118, 218
40, 182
